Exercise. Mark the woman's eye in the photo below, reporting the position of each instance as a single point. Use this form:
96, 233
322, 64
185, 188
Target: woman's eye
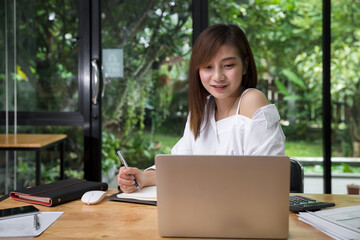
229, 65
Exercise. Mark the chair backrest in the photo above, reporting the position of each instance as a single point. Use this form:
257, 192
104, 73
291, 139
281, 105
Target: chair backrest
296, 176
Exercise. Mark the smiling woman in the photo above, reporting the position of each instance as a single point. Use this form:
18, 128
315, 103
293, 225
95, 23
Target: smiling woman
222, 65
222, 81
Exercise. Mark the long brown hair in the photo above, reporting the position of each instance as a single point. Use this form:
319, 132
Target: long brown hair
205, 47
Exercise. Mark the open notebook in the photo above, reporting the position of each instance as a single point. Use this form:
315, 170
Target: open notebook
147, 195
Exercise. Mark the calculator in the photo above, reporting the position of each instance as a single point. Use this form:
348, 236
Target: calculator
299, 203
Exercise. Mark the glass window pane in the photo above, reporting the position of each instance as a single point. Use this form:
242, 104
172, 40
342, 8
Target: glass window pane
45, 36
345, 85
146, 48
39, 52
286, 39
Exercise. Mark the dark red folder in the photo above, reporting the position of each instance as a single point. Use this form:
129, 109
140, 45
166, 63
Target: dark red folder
59, 192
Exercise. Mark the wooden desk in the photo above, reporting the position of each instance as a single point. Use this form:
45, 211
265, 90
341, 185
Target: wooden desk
117, 220
34, 142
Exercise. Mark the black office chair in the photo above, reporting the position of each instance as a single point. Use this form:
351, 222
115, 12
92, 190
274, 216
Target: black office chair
296, 176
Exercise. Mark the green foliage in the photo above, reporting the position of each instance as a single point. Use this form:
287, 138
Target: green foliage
305, 99
301, 131
46, 61
292, 77
156, 41
139, 150
301, 148
165, 140
342, 143
26, 173
158, 103
110, 159
335, 168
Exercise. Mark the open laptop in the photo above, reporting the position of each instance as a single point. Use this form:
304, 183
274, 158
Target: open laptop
223, 196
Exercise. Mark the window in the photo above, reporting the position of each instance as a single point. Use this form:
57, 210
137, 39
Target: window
146, 47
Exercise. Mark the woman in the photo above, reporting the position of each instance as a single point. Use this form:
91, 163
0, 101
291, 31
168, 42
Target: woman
227, 115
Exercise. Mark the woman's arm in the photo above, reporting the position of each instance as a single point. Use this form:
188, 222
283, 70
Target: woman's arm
143, 178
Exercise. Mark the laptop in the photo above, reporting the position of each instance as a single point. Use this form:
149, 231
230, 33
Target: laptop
223, 196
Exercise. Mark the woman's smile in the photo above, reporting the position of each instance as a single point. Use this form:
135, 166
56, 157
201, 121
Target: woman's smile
219, 87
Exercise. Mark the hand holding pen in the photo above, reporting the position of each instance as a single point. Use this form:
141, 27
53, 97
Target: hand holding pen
126, 166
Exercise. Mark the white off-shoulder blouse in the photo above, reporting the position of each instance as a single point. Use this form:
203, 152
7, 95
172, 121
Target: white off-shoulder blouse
236, 135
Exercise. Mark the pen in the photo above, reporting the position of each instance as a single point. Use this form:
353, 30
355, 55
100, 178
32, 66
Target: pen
126, 166
36, 222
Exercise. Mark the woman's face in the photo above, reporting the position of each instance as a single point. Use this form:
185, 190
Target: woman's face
223, 75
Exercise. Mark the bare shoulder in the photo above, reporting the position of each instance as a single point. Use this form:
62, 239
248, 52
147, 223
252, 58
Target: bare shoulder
251, 101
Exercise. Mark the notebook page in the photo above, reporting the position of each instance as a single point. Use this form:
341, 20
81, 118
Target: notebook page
147, 193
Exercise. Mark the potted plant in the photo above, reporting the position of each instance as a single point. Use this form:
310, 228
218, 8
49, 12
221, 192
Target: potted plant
353, 189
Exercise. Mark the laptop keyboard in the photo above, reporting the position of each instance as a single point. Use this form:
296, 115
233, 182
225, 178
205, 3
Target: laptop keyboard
299, 203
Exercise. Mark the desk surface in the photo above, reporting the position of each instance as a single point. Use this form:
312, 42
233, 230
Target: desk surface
117, 220
29, 140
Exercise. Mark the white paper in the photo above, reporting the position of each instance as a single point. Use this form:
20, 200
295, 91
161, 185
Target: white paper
339, 223
24, 226
147, 193
348, 217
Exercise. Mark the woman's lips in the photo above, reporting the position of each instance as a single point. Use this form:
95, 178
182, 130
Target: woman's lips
219, 87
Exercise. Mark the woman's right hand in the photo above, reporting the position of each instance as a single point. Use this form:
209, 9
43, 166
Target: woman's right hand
126, 181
